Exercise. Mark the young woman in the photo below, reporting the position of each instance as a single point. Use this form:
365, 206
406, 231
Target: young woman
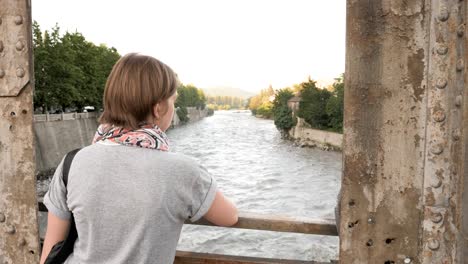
129, 195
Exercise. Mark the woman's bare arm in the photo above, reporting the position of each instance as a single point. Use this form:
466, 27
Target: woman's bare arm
222, 212
57, 230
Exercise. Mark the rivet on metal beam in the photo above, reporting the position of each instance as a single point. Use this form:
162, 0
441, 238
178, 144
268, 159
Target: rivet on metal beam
456, 134
458, 100
2, 73
437, 149
22, 242
444, 14
433, 244
10, 229
20, 72
461, 30
1, 46
19, 46
2, 218
407, 260
436, 183
441, 83
370, 220
436, 217
439, 116
442, 49
460, 65
18, 20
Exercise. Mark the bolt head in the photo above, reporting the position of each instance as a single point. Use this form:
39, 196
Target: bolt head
458, 100
18, 20
407, 260
437, 149
442, 49
436, 218
10, 229
433, 244
441, 83
444, 14
461, 30
22, 242
456, 134
20, 72
436, 183
19, 46
460, 65
439, 116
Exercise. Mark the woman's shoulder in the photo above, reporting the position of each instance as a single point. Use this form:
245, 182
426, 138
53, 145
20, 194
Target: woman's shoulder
149, 157
183, 160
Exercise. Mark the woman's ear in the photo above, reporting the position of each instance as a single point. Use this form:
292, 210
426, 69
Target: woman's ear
155, 113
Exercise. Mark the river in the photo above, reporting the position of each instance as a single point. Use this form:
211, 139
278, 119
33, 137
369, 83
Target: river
261, 173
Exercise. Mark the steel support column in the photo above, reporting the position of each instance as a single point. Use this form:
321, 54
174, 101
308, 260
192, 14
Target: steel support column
405, 132
19, 242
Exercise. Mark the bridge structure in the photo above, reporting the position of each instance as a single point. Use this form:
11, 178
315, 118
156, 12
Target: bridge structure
405, 139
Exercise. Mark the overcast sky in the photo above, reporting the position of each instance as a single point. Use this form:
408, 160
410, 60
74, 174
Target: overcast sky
246, 44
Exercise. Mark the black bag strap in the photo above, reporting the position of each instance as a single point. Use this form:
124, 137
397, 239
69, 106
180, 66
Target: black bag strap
69, 242
67, 163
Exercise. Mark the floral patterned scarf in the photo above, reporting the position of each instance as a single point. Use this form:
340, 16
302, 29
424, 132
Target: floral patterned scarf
147, 136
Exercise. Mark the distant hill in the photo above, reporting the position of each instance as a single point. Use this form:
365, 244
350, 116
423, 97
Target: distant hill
227, 91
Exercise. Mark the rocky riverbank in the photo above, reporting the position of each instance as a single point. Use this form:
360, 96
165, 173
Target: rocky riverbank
305, 136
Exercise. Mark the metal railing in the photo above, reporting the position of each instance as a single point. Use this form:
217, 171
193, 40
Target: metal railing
254, 221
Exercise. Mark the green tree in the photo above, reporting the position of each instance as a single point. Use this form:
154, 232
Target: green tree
283, 116
313, 105
334, 107
265, 110
69, 70
284, 119
261, 100
188, 96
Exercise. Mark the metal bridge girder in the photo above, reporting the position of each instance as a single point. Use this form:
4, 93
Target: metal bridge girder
19, 242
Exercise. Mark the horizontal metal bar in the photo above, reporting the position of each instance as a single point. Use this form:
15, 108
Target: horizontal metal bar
302, 225
185, 257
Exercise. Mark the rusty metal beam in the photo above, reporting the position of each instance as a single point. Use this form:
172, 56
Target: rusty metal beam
281, 224
19, 236
183, 257
404, 132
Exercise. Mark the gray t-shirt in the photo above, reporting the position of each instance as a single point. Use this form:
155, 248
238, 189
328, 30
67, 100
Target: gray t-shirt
129, 203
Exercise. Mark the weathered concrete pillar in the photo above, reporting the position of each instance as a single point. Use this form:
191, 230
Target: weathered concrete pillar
406, 129
19, 241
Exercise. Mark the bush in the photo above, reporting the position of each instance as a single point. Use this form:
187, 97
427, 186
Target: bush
265, 110
313, 105
284, 119
182, 113
335, 106
210, 111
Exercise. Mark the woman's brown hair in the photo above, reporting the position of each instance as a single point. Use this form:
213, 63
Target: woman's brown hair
136, 83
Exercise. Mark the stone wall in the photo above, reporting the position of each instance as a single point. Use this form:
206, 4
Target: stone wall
304, 135
55, 138
55, 135
194, 114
